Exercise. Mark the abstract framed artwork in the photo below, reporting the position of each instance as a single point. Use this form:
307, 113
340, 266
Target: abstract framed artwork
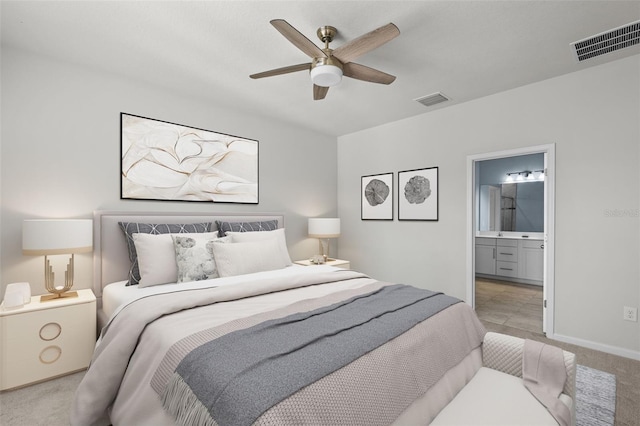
171, 162
418, 194
377, 197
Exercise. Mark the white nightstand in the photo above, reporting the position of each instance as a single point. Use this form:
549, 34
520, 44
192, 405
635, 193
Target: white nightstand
334, 262
43, 340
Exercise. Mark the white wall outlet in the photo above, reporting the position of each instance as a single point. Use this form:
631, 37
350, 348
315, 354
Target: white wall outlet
630, 314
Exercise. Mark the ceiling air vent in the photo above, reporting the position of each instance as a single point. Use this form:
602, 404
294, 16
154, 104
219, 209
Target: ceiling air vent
608, 41
432, 99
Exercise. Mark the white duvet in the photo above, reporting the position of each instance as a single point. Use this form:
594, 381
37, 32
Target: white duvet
117, 388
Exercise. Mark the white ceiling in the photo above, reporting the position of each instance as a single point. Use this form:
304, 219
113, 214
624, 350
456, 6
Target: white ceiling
207, 49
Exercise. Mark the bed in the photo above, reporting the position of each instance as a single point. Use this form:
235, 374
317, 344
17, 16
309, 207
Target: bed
267, 342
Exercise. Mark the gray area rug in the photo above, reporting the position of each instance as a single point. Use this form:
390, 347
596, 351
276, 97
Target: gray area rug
595, 397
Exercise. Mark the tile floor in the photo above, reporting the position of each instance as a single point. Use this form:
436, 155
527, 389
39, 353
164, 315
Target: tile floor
511, 304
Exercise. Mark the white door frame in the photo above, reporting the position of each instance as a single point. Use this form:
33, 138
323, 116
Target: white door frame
549, 223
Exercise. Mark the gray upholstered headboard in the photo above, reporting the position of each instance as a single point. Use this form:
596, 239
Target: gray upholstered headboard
110, 255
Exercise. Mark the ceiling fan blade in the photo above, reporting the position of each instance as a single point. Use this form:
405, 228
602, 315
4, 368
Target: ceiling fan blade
319, 92
365, 43
361, 72
298, 39
283, 70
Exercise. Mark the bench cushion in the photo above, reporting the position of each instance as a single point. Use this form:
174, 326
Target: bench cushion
496, 398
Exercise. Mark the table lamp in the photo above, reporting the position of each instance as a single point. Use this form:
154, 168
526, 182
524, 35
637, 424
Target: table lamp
57, 236
323, 229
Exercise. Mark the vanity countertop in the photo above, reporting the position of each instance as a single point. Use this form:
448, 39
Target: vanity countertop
536, 236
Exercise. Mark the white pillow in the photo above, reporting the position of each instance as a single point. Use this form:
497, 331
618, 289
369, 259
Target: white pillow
194, 257
157, 257
246, 258
278, 234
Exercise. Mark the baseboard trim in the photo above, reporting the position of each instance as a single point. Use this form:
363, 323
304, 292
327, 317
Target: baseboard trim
614, 350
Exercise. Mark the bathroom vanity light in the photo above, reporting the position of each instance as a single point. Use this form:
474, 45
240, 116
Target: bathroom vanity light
525, 176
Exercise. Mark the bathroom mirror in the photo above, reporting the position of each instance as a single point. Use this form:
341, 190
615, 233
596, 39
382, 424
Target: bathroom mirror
517, 207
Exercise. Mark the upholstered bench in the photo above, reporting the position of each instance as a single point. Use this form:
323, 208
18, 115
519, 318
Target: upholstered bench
496, 395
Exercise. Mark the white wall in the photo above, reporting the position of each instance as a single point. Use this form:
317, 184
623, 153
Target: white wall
60, 157
593, 118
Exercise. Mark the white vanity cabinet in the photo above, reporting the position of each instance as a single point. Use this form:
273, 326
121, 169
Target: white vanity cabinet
531, 259
511, 259
486, 256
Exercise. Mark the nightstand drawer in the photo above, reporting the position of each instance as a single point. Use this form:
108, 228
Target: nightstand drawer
45, 343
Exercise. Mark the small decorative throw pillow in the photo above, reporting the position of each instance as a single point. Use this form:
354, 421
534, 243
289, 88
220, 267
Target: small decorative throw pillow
194, 257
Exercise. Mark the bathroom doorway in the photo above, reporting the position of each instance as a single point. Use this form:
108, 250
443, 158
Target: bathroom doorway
510, 237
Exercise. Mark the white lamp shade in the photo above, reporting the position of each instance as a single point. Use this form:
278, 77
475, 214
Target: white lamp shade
326, 75
321, 227
57, 236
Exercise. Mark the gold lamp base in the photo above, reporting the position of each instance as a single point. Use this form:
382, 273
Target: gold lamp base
49, 279
56, 296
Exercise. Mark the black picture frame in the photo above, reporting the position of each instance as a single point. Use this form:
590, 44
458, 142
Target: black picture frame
418, 194
376, 197
164, 161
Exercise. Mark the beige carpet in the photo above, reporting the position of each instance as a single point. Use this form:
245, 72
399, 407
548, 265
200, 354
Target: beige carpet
43, 404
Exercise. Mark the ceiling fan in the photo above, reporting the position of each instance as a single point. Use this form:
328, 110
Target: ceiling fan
328, 65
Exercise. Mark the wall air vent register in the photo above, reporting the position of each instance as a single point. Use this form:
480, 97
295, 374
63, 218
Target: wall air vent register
608, 41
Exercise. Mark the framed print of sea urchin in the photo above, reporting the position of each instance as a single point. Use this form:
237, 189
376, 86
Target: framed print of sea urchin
377, 197
418, 194
170, 162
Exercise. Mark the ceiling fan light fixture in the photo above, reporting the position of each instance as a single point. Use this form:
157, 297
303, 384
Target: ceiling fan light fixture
326, 71
326, 75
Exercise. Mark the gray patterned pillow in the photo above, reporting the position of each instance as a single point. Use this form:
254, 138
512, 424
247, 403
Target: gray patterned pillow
130, 228
194, 257
224, 227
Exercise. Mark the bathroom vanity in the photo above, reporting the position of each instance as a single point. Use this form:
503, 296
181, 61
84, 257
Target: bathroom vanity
515, 257
510, 219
